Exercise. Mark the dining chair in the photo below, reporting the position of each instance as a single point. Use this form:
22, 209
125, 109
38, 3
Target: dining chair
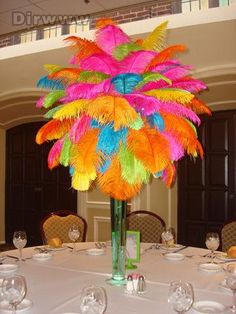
228, 235
57, 224
148, 223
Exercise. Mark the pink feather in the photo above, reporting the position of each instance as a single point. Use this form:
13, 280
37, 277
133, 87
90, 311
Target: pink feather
191, 85
101, 63
109, 37
54, 153
176, 72
165, 65
79, 128
136, 62
39, 103
154, 85
176, 149
87, 90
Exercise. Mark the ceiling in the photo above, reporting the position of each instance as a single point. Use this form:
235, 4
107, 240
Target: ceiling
16, 15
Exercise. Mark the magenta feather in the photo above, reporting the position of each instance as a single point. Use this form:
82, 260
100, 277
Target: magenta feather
176, 149
191, 85
101, 63
175, 72
136, 62
109, 37
153, 85
87, 90
54, 153
165, 65
39, 103
79, 128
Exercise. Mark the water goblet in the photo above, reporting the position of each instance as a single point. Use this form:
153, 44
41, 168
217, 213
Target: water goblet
74, 234
212, 243
14, 290
180, 296
93, 300
231, 283
20, 240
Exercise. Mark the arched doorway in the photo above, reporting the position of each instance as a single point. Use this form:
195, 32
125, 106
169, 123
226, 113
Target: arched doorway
32, 190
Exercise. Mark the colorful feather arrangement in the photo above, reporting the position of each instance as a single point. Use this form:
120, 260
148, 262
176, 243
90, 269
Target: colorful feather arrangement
126, 112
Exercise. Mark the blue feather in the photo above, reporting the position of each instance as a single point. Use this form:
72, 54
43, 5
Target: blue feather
125, 83
71, 171
156, 120
158, 174
109, 140
95, 124
106, 164
45, 82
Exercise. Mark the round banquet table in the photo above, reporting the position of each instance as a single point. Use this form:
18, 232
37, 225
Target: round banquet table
54, 285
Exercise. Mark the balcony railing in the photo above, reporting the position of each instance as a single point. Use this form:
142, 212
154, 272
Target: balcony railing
121, 15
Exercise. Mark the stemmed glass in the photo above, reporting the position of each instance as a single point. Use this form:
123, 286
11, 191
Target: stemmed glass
93, 300
20, 240
180, 296
14, 290
74, 234
231, 283
167, 237
212, 243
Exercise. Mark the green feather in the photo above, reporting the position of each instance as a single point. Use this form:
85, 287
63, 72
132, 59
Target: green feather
50, 113
137, 124
65, 152
152, 77
122, 51
132, 170
92, 77
52, 68
52, 97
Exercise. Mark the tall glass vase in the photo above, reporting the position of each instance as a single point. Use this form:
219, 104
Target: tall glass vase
118, 238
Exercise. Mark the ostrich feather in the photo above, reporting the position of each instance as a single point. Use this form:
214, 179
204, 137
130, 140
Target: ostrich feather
136, 62
105, 165
165, 55
132, 170
71, 110
156, 120
51, 68
84, 157
168, 94
109, 139
53, 129
51, 112
176, 149
106, 109
145, 105
154, 85
150, 147
137, 124
169, 174
39, 103
45, 82
122, 51
155, 40
79, 128
150, 76
100, 62
52, 97
109, 37
175, 73
112, 183
54, 154
125, 83
189, 84
198, 106
65, 152
66, 75
92, 77
81, 181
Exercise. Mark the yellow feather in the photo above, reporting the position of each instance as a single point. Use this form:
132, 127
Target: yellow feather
182, 97
107, 109
155, 40
71, 110
80, 181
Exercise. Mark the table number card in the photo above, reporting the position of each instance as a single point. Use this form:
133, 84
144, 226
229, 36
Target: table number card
132, 248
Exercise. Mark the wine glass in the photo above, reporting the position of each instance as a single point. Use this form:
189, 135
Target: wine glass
93, 300
74, 234
14, 290
20, 240
180, 296
231, 283
167, 237
212, 243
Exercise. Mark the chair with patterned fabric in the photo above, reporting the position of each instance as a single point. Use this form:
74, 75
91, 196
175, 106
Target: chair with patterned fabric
148, 223
57, 224
228, 235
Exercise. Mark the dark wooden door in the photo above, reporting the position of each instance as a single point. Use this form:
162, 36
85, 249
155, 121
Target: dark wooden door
32, 190
206, 188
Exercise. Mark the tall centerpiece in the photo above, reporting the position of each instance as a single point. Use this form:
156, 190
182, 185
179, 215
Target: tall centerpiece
125, 112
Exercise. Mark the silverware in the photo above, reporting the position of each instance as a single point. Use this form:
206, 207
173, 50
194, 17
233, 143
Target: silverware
180, 249
12, 256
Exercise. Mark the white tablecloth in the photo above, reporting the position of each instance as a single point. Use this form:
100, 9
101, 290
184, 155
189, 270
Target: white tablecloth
55, 285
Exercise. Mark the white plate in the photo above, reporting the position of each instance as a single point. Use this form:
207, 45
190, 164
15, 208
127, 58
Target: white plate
95, 251
174, 247
42, 256
8, 268
174, 256
5, 307
210, 267
206, 307
225, 257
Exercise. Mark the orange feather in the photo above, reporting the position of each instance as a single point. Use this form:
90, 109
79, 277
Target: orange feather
112, 183
53, 129
150, 147
66, 75
198, 106
170, 174
102, 22
106, 109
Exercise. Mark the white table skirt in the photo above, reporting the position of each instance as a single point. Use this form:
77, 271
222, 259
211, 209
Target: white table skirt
55, 285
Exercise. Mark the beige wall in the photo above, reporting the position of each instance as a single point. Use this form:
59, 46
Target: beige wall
2, 184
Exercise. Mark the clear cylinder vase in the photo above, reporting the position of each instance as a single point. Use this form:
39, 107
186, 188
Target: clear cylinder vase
118, 240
